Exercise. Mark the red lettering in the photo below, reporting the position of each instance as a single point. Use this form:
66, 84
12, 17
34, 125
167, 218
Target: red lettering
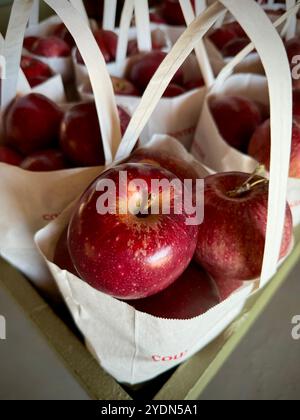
179, 356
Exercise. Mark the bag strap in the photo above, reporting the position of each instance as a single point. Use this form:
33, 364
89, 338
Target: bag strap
200, 50
290, 27
79, 5
109, 15
139, 9
35, 14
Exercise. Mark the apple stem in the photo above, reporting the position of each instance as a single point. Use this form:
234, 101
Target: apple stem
248, 185
147, 206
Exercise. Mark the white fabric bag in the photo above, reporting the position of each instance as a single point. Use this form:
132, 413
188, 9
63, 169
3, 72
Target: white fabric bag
135, 347
252, 63
209, 146
177, 116
31, 200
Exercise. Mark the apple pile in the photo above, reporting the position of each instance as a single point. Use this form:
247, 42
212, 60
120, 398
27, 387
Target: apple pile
236, 118
169, 12
245, 125
141, 71
40, 136
36, 71
156, 262
229, 39
108, 42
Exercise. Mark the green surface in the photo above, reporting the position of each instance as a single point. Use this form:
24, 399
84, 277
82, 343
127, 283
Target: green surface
98, 384
5, 7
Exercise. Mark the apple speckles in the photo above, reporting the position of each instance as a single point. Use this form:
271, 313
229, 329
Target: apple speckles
127, 256
231, 239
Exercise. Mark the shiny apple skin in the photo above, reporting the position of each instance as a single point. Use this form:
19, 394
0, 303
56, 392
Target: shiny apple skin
45, 161
29, 41
126, 256
142, 70
236, 118
157, 18
183, 170
9, 156
226, 33
35, 70
296, 102
232, 237
192, 295
80, 135
107, 42
194, 84
50, 47
31, 123
171, 11
260, 147
62, 257
61, 31
235, 46
226, 287
173, 90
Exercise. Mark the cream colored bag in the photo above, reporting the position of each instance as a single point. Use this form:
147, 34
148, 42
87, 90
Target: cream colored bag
252, 63
133, 346
211, 149
31, 200
177, 116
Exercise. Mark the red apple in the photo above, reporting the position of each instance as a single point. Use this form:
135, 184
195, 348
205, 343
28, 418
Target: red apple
61, 31
80, 136
236, 118
133, 48
31, 123
123, 87
193, 294
296, 102
232, 237
62, 257
44, 161
264, 110
194, 84
107, 42
173, 90
133, 255
235, 46
260, 144
157, 18
293, 51
29, 41
183, 170
158, 43
36, 81
226, 287
171, 11
226, 33
35, 71
50, 47
9, 156
142, 70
